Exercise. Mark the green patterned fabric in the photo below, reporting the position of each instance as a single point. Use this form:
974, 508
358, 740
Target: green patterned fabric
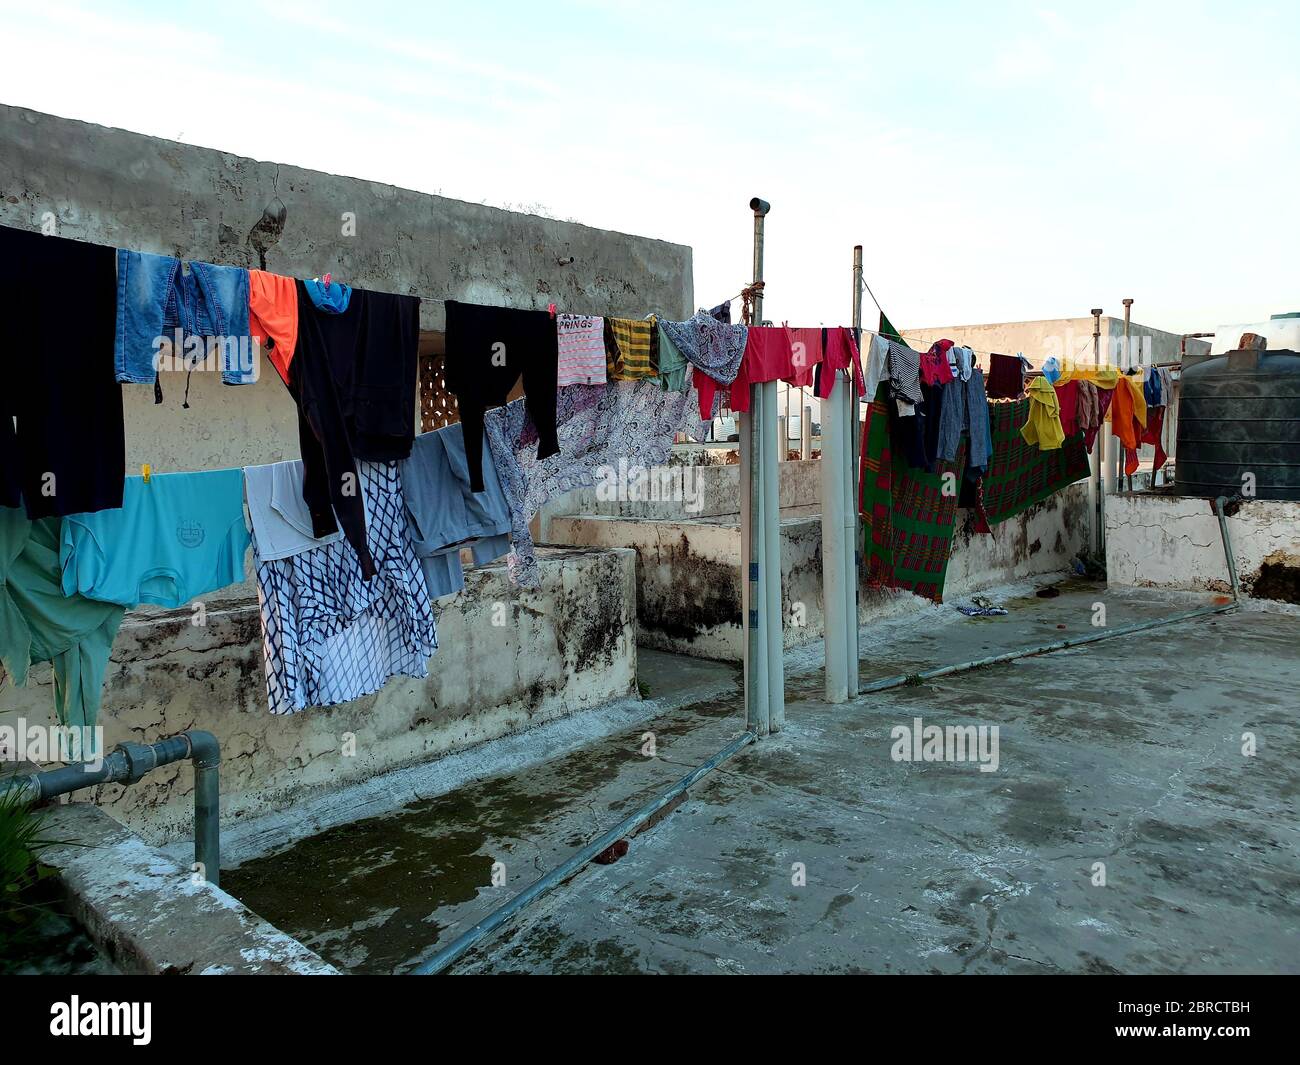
908, 515
1019, 474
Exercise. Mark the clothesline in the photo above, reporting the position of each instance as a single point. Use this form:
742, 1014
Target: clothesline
980, 351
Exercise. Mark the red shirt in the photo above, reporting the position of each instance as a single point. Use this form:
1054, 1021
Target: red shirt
770, 355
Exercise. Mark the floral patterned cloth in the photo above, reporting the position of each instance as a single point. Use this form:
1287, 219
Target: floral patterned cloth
597, 426
708, 344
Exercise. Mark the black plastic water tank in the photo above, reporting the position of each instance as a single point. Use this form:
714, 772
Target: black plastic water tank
1239, 414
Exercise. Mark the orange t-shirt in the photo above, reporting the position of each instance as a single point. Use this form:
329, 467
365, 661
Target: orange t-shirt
273, 317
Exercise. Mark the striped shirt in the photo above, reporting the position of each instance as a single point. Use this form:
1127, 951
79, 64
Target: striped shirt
631, 348
905, 372
581, 339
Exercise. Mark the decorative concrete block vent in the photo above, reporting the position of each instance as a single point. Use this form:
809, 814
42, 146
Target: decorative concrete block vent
508, 659
1160, 540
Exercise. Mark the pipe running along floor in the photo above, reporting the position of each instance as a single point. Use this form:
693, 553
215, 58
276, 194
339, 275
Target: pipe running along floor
1124, 829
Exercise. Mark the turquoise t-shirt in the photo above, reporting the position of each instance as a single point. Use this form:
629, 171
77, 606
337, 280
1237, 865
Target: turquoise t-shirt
178, 537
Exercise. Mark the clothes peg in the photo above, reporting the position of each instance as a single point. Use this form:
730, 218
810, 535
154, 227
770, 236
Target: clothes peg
550, 309
146, 471
326, 280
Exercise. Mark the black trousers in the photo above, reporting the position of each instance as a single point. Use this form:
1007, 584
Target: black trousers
488, 350
62, 446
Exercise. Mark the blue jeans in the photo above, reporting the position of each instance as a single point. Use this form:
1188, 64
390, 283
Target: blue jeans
157, 299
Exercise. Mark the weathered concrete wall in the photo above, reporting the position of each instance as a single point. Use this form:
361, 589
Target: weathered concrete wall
687, 492
689, 579
114, 187
1041, 540
1158, 540
507, 659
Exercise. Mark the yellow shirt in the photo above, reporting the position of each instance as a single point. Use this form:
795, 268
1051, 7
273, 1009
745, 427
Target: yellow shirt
1044, 425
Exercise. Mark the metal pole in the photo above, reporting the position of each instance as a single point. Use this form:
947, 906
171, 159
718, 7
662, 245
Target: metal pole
1128, 363
757, 713
1228, 555
851, 530
782, 432
805, 433
768, 525
1099, 459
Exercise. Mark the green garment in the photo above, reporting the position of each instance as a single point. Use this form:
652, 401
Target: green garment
672, 365
38, 623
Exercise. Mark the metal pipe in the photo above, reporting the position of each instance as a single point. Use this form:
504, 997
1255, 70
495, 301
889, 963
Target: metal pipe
563, 872
1058, 645
766, 507
1227, 545
1099, 459
129, 762
1182, 345
1128, 313
757, 714
1127, 364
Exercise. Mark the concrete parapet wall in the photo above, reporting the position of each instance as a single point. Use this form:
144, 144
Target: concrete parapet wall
689, 579
1160, 540
507, 659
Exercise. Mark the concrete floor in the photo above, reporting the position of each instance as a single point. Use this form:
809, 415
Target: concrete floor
1126, 752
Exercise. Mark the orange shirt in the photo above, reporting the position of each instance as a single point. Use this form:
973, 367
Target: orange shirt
273, 317
1124, 424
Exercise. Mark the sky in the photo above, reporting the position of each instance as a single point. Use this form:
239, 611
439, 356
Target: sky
998, 161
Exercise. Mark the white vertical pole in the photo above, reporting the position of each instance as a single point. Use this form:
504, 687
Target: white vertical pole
772, 585
834, 620
751, 567
805, 433
850, 466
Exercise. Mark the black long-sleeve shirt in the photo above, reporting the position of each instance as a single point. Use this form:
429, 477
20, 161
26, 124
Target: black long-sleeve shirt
353, 377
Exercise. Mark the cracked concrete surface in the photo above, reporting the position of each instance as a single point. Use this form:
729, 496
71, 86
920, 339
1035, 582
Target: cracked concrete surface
1126, 753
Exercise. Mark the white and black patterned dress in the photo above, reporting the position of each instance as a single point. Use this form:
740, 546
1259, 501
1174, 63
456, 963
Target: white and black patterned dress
328, 635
